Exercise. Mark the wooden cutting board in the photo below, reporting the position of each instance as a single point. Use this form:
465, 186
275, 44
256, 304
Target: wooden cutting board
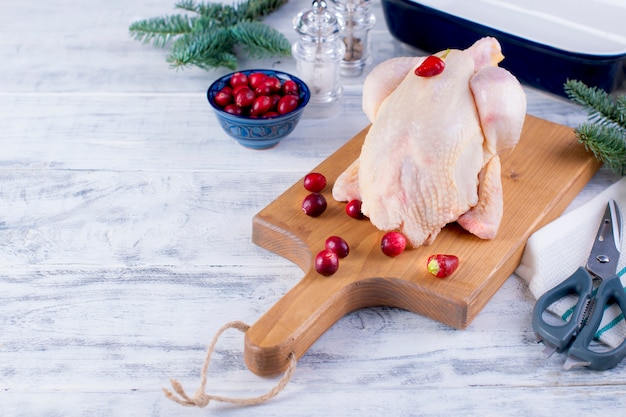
540, 177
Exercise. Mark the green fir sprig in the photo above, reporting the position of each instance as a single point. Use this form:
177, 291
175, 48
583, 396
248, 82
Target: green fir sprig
211, 35
604, 133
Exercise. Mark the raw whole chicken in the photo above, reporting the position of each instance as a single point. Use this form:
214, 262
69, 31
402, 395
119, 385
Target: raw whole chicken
431, 155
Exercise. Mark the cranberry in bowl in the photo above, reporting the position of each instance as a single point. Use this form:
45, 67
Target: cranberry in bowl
258, 107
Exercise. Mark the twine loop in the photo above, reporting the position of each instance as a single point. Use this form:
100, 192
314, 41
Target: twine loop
202, 399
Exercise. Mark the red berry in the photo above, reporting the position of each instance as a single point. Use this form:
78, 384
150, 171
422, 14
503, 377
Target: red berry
261, 105
263, 90
441, 265
273, 83
314, 204
287, 104
255, 79
290, 87
353, 209
431, 66
314, 182
244, 97
275, 99
223, 97
233, 109
326, 262
238, 78
237, 88
270, 114
393, 243
338, 245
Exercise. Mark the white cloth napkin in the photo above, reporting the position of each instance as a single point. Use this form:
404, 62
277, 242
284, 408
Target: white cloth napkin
556, 250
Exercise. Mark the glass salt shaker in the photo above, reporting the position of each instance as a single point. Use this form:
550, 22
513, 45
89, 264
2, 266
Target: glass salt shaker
319, 51
358, 22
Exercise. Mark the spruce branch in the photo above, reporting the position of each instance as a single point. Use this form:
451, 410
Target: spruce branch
160, 30
204, 50
207, 35
604, 134
259, 40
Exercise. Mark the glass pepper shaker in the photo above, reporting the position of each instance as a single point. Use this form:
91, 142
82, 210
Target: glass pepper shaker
358, 22
319, 51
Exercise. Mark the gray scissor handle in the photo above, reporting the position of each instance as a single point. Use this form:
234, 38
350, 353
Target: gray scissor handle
611, 290
560, 336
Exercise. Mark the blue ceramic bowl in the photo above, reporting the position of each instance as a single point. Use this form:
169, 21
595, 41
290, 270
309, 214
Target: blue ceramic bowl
259, 133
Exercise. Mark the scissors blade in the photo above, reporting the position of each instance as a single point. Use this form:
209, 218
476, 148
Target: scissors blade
605, 252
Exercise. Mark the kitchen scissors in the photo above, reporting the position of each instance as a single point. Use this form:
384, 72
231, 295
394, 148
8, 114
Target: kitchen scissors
577, 334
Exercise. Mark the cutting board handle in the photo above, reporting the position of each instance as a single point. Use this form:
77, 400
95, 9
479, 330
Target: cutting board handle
302, 315
295, 322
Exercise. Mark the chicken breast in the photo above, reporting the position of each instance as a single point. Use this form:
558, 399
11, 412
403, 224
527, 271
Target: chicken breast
431, 154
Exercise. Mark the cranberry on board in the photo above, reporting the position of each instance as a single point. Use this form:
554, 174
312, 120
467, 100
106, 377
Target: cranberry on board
238, 78
353, 209
442, 265
314, 182
326, 262
287, 104
393, 243
314, 204
338, 245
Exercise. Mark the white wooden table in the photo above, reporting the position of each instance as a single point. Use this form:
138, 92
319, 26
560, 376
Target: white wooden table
125, 221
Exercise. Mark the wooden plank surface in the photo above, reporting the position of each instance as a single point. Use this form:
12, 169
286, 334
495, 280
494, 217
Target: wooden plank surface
541, 176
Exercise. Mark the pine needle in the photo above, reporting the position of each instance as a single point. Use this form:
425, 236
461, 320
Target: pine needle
160, 30
604, 134
207, 35
203, 50
259, 40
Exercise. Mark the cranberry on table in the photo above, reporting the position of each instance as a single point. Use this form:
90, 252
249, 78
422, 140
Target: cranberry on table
314, 182
393, 243
353, 209
338, 245
314, 204
326, 262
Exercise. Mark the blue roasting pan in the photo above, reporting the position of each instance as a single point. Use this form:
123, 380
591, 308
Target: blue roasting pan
545, 42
